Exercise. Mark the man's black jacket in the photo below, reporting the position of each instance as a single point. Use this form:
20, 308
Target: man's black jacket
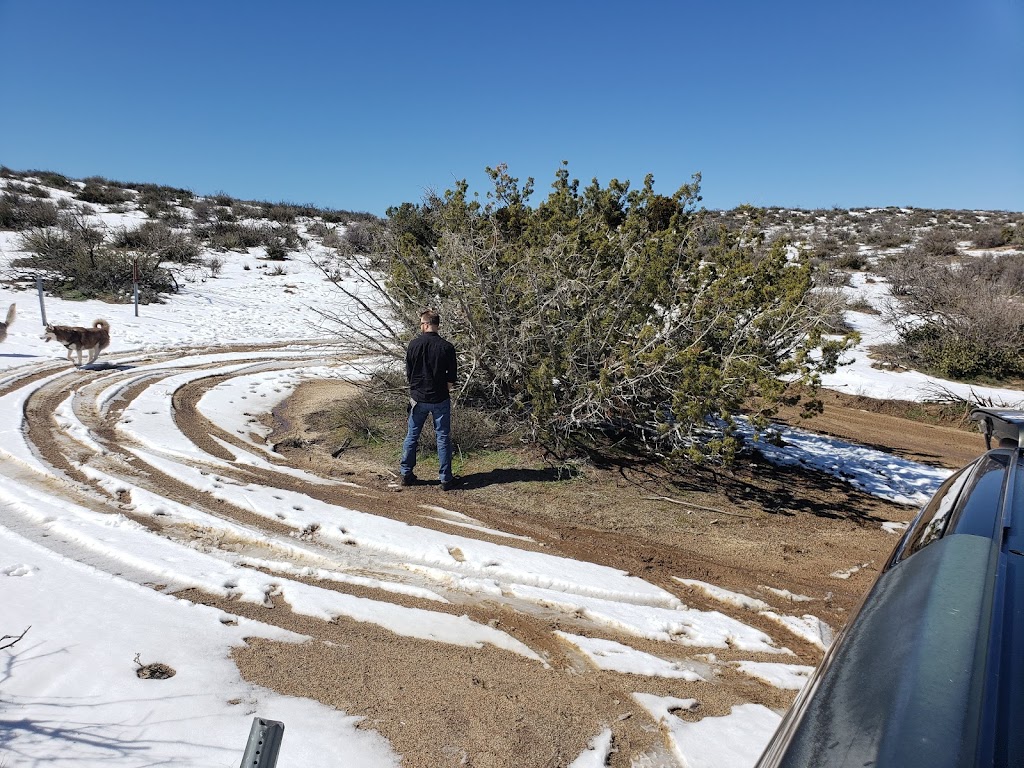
429, 365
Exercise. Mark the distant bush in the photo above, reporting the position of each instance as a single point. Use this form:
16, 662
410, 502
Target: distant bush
232, 236
962, 320
319, 229
277, 252
79, 264
938, 242
202, 209
20, 213
359, 236
46, 178
156, 238
889, 233
30, 190
851, 260
102, 194
990, 236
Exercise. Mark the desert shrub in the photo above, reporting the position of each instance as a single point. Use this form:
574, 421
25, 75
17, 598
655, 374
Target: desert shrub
851, 259
990, 236
233, 236
225, 213
359, 236
319, 228
51, 179
889, 233
964, 320
109, 276
79, 263
159, 239
102, 194
276, 251
938, 242
904, 269
216, 265
31, 190
20, 213
202, 209
282, 212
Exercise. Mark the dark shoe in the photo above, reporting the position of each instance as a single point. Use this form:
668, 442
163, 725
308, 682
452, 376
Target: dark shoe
455, 482
409, 479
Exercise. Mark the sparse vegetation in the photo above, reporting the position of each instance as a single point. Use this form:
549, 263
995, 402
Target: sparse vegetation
962, 320
917, 250
79, 263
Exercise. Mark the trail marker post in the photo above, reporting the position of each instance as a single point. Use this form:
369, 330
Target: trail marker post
264, 744
42, 304
135, 283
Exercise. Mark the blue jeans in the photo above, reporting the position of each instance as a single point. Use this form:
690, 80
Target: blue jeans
442, 414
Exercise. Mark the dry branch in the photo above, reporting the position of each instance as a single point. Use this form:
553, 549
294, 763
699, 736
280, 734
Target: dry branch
13, 638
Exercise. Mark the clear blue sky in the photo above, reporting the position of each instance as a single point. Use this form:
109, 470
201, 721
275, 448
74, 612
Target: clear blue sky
362, 105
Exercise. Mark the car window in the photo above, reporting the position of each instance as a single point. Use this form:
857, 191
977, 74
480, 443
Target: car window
930, 523
979, 509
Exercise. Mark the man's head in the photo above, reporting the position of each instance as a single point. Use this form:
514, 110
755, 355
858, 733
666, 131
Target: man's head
429, 320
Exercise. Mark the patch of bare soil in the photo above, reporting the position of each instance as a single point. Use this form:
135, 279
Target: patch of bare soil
753, 527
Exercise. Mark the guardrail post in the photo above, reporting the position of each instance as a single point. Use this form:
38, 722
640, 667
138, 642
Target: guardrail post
264, 743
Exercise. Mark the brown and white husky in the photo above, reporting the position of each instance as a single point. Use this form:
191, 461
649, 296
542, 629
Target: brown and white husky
78, 339
8, 322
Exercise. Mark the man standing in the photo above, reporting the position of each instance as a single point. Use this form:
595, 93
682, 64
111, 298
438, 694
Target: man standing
430, 368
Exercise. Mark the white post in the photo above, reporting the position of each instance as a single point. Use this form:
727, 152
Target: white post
42, 305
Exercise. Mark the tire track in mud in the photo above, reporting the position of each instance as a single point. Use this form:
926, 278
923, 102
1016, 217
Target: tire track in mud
437, 703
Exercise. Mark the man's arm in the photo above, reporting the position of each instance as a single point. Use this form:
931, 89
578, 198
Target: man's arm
452, 366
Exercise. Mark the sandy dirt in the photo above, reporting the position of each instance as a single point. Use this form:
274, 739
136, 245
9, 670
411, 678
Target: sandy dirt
441, 705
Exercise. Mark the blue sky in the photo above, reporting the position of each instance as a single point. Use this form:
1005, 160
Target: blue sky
365, 105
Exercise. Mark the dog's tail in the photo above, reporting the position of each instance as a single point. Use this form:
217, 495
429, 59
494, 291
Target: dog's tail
10, 315
103, 324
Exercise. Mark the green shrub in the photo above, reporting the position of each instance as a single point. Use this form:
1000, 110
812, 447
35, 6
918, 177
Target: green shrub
581, 321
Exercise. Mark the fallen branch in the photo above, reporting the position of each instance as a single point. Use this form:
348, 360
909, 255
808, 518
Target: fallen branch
15, 639
696, 506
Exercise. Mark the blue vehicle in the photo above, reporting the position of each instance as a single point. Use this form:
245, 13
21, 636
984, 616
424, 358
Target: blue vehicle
930, 670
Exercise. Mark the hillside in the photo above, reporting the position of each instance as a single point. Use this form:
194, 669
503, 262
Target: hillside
186, 500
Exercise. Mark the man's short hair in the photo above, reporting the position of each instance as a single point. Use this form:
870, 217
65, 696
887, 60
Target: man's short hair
430, 317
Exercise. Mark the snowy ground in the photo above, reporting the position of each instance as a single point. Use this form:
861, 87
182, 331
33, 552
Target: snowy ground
84, 580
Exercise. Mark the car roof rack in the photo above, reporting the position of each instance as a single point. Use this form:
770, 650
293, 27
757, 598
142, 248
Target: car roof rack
1004, 424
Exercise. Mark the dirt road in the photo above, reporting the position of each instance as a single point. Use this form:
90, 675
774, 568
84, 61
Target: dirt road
762, 531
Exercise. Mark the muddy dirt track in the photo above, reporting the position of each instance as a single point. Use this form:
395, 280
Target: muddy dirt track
762, 531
